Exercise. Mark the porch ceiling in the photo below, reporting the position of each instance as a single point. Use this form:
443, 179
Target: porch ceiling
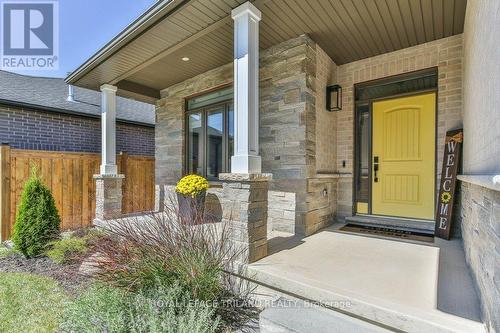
146, 57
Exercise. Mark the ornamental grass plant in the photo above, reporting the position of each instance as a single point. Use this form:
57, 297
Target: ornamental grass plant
106, 309
142, 254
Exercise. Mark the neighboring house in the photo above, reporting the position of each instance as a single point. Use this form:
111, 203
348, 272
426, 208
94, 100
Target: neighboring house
241, 87
46, 114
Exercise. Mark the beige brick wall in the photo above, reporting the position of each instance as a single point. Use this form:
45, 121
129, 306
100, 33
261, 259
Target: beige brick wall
445, 54
482, 88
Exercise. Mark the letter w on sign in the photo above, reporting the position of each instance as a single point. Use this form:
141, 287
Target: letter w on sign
451, 159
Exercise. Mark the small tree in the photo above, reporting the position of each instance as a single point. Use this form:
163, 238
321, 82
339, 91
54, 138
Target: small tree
37, 220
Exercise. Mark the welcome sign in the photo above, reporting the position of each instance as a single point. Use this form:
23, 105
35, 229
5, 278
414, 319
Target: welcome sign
446, 198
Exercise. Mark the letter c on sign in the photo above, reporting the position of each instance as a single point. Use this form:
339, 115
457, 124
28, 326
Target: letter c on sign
447, 185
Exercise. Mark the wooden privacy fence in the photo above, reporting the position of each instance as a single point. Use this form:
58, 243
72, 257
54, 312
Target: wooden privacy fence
70, 179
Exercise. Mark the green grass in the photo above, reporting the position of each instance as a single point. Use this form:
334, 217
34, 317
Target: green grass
33, 303
30, 303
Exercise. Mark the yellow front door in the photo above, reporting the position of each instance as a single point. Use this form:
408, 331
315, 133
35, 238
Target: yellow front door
403, 156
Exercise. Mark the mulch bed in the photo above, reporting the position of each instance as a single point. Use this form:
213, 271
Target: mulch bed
66, 275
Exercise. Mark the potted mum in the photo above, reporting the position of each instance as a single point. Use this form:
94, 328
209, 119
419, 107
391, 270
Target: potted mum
191, 191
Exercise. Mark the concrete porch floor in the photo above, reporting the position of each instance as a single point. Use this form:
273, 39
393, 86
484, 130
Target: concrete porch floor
413, 287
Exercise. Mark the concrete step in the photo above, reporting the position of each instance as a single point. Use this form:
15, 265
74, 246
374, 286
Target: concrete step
375, 313
386, 283
424, 226
302, 317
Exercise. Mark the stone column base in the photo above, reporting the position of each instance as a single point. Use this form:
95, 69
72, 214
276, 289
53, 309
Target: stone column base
159, 198
245, 196
108, 196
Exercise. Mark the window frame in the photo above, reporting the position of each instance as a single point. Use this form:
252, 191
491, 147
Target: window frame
204, 112
357, 154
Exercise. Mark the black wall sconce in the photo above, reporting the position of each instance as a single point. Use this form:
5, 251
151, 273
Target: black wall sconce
334, 98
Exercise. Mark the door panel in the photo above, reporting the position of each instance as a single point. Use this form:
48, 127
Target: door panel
404, 143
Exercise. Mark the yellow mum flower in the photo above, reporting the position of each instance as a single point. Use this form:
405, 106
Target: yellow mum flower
191, 185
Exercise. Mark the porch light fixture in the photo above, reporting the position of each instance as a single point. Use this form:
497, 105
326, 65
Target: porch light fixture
185, 59
334, 98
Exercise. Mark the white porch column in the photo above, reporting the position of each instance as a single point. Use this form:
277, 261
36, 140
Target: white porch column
246, 187
108, 130
246, 157
108, 182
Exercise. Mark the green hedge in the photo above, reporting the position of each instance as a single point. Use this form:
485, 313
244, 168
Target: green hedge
37, 220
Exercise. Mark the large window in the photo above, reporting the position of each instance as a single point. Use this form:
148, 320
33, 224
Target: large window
210, 133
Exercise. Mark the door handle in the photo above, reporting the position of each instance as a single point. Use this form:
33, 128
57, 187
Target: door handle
375, 168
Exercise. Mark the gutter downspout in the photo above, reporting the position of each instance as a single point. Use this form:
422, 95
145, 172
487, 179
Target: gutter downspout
71, 93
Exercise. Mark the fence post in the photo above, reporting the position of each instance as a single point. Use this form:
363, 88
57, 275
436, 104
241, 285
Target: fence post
124, 171
4, 191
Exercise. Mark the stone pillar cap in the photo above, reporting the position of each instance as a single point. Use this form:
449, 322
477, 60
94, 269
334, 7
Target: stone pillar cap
119, 176
245, 177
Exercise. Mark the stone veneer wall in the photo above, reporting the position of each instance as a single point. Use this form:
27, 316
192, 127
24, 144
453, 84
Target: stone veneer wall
322, 185
480, 223
286, 112
445, 54
287, 133
281, 211
293, 78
